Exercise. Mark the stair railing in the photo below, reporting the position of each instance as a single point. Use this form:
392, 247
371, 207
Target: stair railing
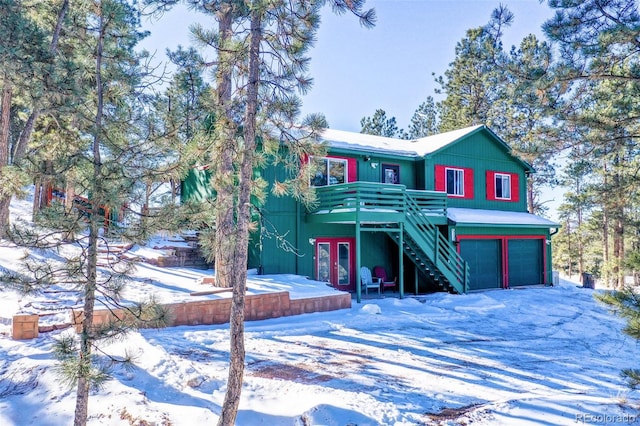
435, 245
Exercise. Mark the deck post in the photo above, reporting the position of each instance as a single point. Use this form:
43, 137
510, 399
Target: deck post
357, 248
466, 278
401, 261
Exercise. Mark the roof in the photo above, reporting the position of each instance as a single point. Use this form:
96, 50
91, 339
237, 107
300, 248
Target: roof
412, 147
407, 148
497, 217
434, 143
369, 143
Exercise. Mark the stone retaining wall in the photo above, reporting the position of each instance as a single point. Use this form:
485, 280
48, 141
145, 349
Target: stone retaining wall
206, 312
25, 327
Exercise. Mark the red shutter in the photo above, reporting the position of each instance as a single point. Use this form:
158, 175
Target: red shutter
440, 178
352, 170
491, 185
468, 183
515, 187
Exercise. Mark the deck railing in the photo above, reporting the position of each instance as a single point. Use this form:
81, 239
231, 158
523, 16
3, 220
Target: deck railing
376, 197
417, 209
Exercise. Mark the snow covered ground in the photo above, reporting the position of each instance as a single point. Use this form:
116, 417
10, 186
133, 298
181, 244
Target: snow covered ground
538, 356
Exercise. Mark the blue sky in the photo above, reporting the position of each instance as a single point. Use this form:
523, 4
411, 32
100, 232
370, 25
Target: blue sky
358, 70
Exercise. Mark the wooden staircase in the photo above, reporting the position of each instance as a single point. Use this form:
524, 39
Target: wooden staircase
390, 206
430, 251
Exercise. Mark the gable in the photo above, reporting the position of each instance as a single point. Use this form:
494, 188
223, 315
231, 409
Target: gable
479, 143
493, 178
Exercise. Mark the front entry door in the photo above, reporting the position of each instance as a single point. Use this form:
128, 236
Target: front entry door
334, 262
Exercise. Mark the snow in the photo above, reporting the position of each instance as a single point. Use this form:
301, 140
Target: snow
435, 142
497, 217
381, 144
533, 356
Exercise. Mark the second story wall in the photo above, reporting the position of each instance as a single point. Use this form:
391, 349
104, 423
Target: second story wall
479, 172
374, 167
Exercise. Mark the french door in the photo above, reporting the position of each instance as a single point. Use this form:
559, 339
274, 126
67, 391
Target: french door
335, 262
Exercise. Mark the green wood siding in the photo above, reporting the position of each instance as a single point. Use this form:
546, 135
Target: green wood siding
286, 240
370, 166
196, 186
480, 152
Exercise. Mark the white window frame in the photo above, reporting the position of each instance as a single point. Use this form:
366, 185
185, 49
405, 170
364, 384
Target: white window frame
328, 161
505, 184
458, 182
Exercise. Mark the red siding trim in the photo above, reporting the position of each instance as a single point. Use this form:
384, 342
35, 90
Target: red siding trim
352, 170
468, 183
504, 239
491, 186
352, 167
515, 187
440, 178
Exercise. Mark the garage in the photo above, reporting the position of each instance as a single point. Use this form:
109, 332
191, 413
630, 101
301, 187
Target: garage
525, 262
485, 262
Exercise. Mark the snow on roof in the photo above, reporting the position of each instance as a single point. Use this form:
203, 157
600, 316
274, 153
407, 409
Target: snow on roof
362, 141
497, 217
411, 148
433, 143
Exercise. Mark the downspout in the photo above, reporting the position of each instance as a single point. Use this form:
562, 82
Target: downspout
357, 249
550, 256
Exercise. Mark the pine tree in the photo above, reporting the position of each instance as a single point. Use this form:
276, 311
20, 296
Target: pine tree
513, 93
261, 63
29, 69
525, 111
424, 121
599, 77
113, 152
380, 125
626, 304
473, 82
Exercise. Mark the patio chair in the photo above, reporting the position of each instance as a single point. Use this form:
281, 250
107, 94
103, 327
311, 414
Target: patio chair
380, 273
368, 281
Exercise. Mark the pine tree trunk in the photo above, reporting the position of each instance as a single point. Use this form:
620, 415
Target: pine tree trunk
95, 222
580, 242
5, 116
227, 275
237, 351
618, 247
37, 196
605, 229
82, 391
5, 121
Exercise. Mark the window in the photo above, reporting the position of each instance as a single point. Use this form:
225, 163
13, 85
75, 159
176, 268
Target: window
455, 182
329, 171
503, 186
390, 173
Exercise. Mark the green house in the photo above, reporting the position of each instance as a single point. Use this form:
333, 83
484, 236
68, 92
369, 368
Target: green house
444, 212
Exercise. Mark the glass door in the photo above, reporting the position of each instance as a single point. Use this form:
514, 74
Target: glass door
334, 262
